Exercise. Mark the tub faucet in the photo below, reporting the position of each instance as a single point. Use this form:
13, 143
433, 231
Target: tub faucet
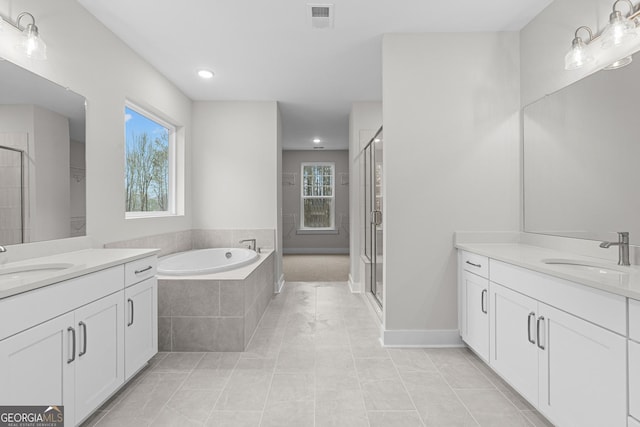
2, 249
623, 247
252, 243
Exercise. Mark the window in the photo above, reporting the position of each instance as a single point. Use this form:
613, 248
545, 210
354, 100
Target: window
318, 196
149, 164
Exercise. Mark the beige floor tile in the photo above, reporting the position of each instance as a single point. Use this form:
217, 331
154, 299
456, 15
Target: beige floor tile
331, 414
409, 360
291, 387
464, 375
394, 419
234, 419
207, 379
288, 414
376, 369
490, 407
219, 360
386, 395
178, 362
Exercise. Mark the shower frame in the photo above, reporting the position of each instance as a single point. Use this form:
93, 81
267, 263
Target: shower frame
22, 180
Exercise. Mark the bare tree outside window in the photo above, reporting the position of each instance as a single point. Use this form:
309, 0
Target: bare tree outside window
147, 163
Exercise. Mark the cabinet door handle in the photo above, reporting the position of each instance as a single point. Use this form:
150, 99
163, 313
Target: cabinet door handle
483, 302
474, 265
130, 301
541, 345
143, 270
73, 341
531, 315
84, 338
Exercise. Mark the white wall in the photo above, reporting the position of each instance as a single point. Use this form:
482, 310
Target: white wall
235, 169
364, 121
89, 59
51, 215
451, 162
291, 195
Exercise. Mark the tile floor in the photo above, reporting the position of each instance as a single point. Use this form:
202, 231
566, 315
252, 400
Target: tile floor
315, 360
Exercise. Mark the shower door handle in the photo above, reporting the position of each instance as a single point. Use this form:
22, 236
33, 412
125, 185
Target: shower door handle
376, 217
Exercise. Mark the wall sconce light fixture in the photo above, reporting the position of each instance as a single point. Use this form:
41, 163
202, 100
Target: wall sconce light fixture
30, 41
620, 30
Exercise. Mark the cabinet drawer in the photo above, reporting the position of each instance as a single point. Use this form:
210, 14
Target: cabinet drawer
602, 308
25, 310
474, 263
137, 271
634, 319
634, 379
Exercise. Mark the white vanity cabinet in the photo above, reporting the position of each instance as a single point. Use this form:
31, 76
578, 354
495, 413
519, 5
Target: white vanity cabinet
141, 314
474, 289
34, 366
66, 343
634, 362
514, 353
562, 345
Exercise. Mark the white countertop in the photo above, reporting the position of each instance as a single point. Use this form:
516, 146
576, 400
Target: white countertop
83, 262
531, 257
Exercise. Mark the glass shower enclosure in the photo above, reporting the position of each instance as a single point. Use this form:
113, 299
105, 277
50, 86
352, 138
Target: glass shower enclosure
11, 195
373, 201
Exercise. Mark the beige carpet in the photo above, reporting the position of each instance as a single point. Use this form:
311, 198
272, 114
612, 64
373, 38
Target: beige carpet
316, 268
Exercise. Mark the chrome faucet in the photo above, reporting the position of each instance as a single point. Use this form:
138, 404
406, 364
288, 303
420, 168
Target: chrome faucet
623, 247
252, 243
2, 249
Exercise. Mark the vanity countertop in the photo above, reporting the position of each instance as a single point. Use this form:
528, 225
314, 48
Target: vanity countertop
531, 257
83, 262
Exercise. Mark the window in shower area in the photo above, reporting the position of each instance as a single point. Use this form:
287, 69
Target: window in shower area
318, 196
150, 164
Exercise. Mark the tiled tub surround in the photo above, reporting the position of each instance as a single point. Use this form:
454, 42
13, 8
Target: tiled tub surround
186, 240
214, 312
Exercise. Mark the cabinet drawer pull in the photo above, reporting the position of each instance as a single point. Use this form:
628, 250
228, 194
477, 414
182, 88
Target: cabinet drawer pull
531, 315
130, 301
474, 265
540, 342
84, 338
73, 341
483, 302
143, 270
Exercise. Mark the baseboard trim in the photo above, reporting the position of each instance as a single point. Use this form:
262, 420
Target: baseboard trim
422, 338
315, 251
354, 287
280, 284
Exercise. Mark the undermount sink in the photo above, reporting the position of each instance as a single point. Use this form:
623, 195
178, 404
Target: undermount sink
587, 266
30, 271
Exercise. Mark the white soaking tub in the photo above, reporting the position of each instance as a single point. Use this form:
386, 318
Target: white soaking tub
205, 261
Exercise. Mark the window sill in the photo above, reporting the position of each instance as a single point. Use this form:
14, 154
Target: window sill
312, 231
142, 215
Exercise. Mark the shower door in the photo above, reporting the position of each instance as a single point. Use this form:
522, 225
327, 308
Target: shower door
373, 214
11, 195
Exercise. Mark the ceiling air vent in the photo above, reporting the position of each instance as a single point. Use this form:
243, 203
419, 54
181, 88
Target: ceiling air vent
320, 15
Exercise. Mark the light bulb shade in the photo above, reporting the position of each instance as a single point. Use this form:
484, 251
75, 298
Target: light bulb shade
578, 56
32, 44
620, 30
620, 63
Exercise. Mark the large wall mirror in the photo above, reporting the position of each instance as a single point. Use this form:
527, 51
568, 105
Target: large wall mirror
42, 159
581, 155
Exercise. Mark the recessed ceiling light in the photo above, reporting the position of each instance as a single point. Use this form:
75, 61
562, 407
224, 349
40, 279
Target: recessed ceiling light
205, 74
316, 140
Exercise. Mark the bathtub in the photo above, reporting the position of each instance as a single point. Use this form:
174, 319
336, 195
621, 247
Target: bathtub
205, 261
